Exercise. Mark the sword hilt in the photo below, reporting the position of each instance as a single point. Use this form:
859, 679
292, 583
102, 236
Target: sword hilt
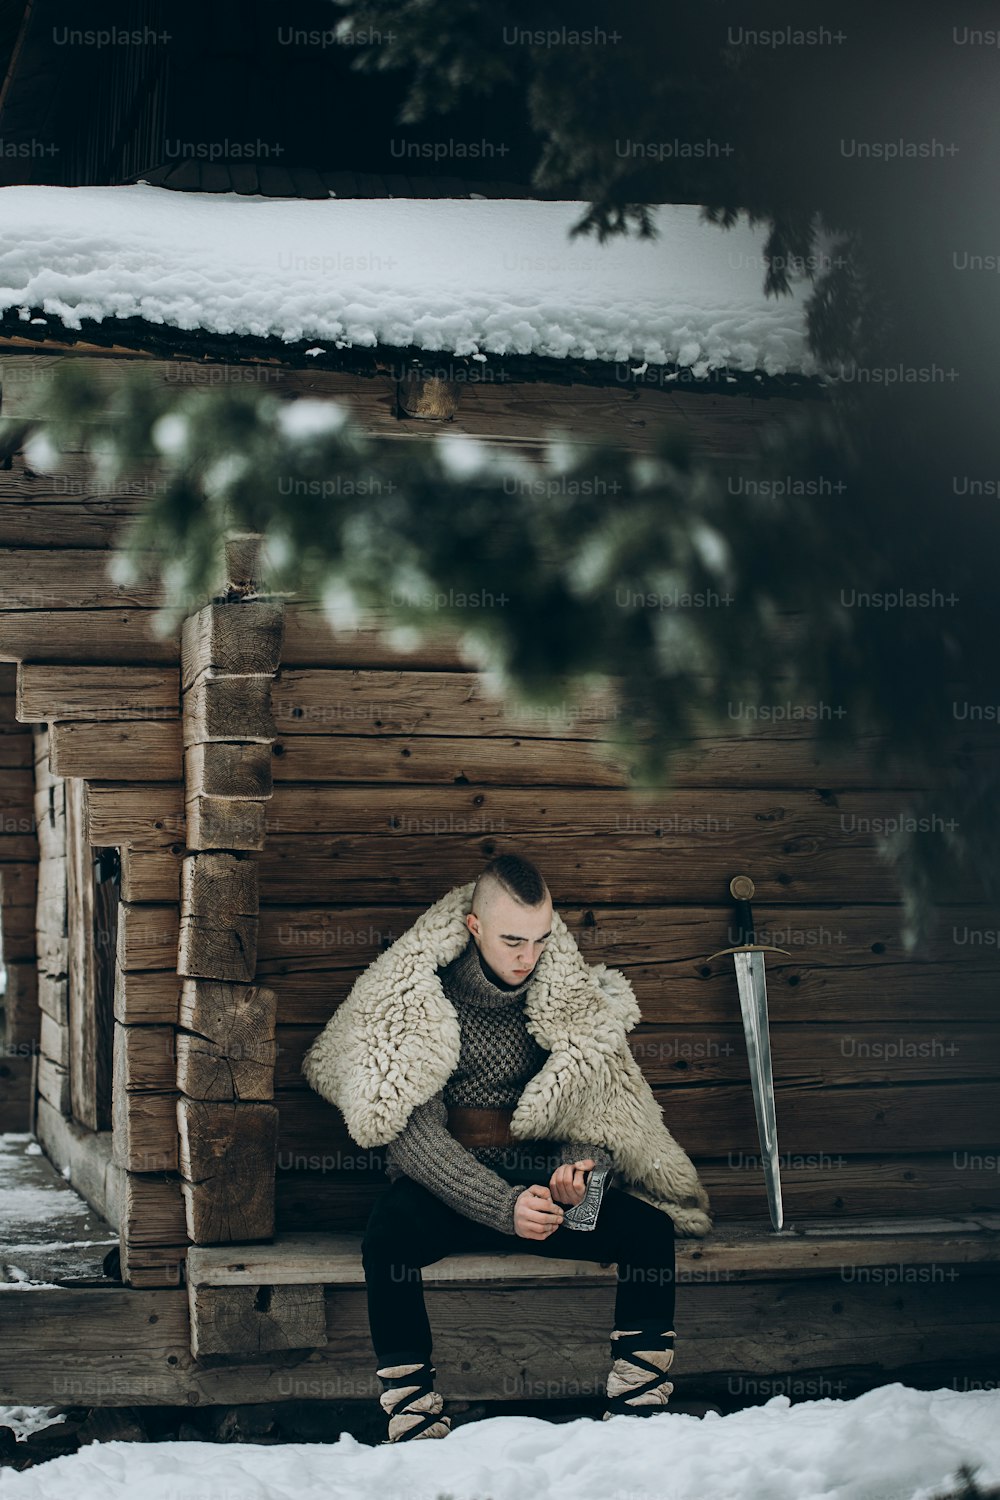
741, 888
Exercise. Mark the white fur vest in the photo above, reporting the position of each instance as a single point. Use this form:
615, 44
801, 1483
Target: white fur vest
395, 1040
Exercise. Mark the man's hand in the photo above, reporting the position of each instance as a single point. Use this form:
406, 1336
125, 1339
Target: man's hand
535, 1215
568, 1183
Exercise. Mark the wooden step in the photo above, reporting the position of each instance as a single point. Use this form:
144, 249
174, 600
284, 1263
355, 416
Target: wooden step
255, 1299
747, 1247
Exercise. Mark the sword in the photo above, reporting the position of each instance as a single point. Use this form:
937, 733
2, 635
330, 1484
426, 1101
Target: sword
748, 957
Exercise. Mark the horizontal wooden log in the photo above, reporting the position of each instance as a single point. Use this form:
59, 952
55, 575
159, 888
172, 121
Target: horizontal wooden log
126, 750
15, 748
152, 1210
227, 1163
147, 936
53, 1041
53, 1084
69, 578
318, 701
74, 634
219, 769
228, 708
218, 917
151, 874
232, 639
99, 523
144, 1130
225, 823
147, 998
246, 1322
18, 883
149, 1266
16, 799
46, 692
310, 641
718, 1120
146, 817
230, 1053
148, 1058
53, 996
132, 1347
333, 1187
802, 1052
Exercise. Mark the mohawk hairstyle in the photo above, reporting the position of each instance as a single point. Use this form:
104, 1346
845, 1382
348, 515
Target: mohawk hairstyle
518, 877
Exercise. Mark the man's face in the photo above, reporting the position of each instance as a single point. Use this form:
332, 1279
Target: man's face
511, 937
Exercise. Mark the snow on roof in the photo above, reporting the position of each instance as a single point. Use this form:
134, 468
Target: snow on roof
461, 276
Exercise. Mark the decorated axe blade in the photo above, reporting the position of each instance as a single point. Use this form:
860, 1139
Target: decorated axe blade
748, 957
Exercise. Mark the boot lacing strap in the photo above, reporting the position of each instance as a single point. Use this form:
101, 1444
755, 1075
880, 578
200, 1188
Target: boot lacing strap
625, 1346
402, 1394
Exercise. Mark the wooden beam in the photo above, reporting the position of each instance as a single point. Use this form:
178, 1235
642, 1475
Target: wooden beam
223, 641
246, 1322
235, 708
231, 1053
218, 769
93, 1171
130, 750
227, 1162
47, 692
218, 926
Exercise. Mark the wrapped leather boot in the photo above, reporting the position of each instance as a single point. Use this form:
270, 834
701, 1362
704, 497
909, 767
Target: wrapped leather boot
637, 1385
413, 1405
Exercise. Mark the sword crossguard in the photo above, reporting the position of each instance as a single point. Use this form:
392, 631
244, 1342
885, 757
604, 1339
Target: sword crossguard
748, 948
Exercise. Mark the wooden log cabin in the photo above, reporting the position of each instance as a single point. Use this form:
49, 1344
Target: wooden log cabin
208, 836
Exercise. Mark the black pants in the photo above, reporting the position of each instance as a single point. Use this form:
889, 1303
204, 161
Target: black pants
410, 1227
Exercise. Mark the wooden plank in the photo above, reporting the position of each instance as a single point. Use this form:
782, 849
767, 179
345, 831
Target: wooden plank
144, 998
228, 708
53, 1041
151, 874
846, 963
718, 1120
794, 851
245, 1322
146, 1266
69, 578
802, 1051
232, 639
318, 701
148, 1058
47, 692
152, 1210
130, 750
219, 769
53, 1085
745, 1247
310, 641
333, 1186
231, 1053
53, 999
132, 1348
144, 1131
218, 917
227, 1161
147, 936
77, 634
146, 817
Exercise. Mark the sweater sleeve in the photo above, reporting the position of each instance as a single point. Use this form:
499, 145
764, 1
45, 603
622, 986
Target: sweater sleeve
428, 1152
574, 1151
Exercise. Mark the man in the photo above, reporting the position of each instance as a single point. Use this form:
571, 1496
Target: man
494, 1064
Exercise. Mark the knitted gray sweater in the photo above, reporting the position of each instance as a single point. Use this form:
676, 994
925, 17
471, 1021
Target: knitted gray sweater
498, 1057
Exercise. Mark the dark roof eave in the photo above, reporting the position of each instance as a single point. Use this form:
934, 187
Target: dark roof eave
124, 336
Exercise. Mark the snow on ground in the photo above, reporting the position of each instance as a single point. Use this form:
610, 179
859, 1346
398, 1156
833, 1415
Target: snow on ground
461, 276
893, 1443
23, 1420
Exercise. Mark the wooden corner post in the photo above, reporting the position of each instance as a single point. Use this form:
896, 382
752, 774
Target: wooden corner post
227, 1121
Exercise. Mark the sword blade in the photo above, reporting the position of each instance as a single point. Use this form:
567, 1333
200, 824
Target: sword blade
753, 1005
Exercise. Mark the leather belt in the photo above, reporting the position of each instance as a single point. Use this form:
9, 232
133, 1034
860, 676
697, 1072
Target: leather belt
481, 1127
